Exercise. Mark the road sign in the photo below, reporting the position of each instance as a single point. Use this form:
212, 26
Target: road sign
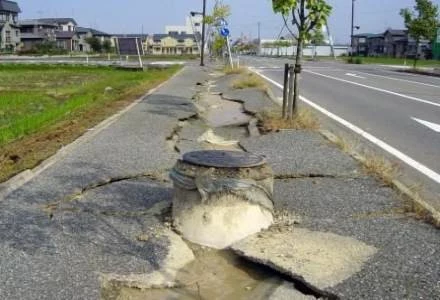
223, 23
224, 31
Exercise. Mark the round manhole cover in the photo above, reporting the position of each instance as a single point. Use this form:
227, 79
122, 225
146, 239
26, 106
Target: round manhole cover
224, 159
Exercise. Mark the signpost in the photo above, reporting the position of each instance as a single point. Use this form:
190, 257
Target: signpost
224, 32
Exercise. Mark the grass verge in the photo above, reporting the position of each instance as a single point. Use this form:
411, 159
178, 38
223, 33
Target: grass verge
44, 107
249, 80
272, 121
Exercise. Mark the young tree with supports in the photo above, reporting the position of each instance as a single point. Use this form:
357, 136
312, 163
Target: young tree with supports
422, 23
305, 16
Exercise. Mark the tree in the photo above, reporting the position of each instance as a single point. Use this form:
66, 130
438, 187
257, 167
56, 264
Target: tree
306, 15
107, 46
422, 23
316, 38
220, 12
94, 43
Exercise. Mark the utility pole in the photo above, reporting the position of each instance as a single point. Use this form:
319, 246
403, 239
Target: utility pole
202, 56
352, 26
259, 38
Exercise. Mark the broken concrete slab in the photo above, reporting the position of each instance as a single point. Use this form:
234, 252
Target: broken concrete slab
177, 256
318, 259
364, 209
301, 153
254, 100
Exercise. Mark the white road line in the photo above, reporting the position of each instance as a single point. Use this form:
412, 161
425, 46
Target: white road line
388, 148
354, 75
375, 88
399, 79
430, 125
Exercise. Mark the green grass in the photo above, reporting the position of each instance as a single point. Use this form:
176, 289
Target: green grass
33, 97
399, 61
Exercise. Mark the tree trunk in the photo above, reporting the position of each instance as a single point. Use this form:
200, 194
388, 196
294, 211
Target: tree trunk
416, 58
298, 63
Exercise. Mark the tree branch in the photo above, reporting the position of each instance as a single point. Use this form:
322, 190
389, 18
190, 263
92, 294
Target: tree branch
287, 26
295, 20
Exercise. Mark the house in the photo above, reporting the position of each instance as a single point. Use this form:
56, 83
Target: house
84, 33
63, 24
9, 28
375, 44
360, 43
35, 32
173, 44
67, 40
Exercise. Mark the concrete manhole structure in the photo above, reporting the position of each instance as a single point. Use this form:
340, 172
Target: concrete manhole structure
221, 197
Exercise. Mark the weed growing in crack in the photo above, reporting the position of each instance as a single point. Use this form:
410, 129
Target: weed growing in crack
272, 121
381, 168
249, 80
229, 71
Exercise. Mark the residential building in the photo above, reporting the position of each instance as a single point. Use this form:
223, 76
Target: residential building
392, 43
192, 25
35, 31
63, 24
84, 33
360, 43
173, 44
9, 28
67, 40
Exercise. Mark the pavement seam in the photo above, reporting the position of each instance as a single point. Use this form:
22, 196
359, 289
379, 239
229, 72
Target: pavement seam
22, 178
395, 183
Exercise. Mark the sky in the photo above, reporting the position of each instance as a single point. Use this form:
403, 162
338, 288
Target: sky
151, 16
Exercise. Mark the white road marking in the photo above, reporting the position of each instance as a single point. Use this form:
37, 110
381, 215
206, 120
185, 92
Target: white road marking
376, 89
388, 148
354, 75
433, 126
399, 79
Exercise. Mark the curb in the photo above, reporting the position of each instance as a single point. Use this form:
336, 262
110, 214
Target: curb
20, 179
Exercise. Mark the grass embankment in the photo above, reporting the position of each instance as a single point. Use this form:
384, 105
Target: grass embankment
397, 61
44, 107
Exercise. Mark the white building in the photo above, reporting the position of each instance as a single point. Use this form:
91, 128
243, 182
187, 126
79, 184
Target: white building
193, 25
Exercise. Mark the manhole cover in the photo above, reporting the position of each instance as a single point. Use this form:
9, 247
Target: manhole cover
224, 159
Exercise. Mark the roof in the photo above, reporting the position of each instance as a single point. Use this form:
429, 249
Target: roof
131, 35
58, 20
363, 35
401, 32
92, 31
9, 6
32, 22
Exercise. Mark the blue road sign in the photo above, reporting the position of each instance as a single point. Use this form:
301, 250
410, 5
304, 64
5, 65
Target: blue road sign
224, 32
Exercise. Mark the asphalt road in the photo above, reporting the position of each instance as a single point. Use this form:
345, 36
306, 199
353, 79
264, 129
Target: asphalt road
378, 103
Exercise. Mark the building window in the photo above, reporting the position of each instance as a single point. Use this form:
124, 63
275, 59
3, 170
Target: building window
8, 36
2, 17
17, 33
196, 24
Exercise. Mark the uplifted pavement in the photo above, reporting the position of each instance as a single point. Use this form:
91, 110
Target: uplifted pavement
98, 215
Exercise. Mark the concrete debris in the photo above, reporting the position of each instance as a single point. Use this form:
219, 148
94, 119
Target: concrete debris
320, 260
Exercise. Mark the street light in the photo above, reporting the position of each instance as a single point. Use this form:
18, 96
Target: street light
202, 54
352, 25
